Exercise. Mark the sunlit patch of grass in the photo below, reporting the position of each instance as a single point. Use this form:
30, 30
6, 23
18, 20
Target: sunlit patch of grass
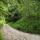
2, 21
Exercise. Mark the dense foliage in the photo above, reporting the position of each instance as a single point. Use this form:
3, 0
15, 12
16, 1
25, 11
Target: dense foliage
23, 15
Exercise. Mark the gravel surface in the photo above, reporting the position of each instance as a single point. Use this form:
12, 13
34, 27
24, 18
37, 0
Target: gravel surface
13, 34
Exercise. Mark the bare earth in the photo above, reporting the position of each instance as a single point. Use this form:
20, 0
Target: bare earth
12, 34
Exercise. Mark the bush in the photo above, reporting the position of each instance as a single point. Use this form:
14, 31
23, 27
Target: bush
25, 13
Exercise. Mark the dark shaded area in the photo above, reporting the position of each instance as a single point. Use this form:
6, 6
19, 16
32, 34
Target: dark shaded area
37, 0
14, 17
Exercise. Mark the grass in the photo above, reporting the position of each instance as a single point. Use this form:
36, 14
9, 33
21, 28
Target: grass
1, 36
30, 25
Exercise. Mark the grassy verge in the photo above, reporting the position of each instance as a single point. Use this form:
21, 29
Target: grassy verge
30, 25
1, 38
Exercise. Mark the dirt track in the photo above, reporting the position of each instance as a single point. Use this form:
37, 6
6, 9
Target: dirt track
12, 34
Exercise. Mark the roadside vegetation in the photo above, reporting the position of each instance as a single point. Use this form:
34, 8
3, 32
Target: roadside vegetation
23, 15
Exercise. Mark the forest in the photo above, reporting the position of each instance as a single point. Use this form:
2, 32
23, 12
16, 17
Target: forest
23, 15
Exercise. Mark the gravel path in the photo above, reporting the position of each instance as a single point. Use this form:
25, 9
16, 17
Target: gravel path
12, 34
